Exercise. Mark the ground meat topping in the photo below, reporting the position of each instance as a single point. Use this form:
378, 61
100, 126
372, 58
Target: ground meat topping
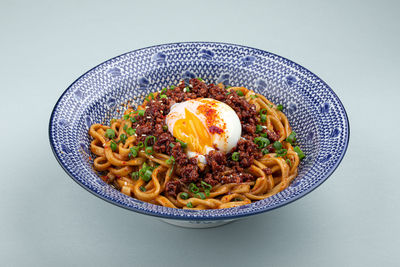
172, 188
221, 168
273, 136
217, 161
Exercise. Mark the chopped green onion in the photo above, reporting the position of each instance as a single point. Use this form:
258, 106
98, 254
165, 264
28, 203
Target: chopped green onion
189, 205
279, 107
171, 160
184, 195
134, 151
259, 128
200, 79
140, 144
205, 185
142, 188
228, 93
145, 172
291, 138
254, 96
264, 135
240, 93
164, 90
289, 162
130, 131
149, 150
135, 175
281, 153
235, 156
186, 89
228, 86
147, 175
183, 144
262, 111
200, 195
171, 144
277, 145
263, 118
122, 138
299, 152
110, 133
172, 87
125, 127
193, 188
163, 96
261, 142
126, 116
165, 128
265, 151
133, 119
207, 191
149, 97
141, 112
148, 138
113, 146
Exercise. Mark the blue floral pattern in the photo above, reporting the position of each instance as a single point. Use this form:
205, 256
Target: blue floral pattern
160, 57
314, 111
247, 60
224, 78
291, 80
114, 72
187, 75
143, 83
206, 54
324, 108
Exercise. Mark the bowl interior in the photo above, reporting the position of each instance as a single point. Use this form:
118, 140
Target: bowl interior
314, 112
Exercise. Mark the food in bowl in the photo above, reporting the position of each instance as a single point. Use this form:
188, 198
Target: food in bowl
198, 146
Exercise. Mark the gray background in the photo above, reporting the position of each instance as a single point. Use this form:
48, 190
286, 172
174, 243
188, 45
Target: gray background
353, 219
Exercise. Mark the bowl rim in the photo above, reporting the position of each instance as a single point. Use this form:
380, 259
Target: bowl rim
205, 217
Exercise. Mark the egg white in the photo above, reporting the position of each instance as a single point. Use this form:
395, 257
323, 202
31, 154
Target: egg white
227, 120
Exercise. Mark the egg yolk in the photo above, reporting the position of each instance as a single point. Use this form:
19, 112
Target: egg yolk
193, 132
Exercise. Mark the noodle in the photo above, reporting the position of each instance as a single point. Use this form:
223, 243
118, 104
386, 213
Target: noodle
140, 172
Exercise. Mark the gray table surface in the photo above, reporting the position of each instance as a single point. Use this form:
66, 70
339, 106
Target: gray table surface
353, 219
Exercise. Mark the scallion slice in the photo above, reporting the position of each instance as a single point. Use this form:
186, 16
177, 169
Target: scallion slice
291, 138
184, 195
183, 144
110, 133
130, 131
261, 142
193, 188
299, 152
113, 146
277, 145
171, 160
122, 138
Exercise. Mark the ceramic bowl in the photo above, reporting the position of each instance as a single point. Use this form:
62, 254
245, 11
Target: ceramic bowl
313, 109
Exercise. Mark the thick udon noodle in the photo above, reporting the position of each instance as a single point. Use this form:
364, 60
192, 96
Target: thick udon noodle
117, 166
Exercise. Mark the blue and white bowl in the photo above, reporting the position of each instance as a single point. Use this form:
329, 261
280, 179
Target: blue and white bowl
313, 109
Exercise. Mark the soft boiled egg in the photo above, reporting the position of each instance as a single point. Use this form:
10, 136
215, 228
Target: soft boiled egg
205, 124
